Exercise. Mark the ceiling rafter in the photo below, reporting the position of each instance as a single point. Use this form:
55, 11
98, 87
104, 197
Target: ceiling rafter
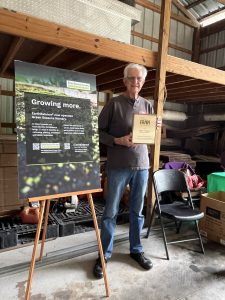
87, 62
221, 1
197, 96
182, 8
193, 93
76, 60
46, 58
14, 48
157, 8
115, 78
192, 86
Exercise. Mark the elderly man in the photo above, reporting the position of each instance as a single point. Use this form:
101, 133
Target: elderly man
127, 163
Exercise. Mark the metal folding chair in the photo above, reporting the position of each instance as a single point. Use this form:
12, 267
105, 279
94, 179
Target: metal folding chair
178, 211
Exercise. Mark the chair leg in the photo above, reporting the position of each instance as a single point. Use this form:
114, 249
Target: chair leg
178, 226
150, 221
164, 237
200, 238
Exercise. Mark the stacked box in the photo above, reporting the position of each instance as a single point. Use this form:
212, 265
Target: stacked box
8, 177
212, 226
8, 237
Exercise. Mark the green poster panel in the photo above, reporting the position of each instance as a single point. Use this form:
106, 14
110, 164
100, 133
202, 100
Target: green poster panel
57, 130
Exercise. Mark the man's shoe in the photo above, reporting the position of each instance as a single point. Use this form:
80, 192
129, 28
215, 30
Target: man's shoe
98, 272
144, 262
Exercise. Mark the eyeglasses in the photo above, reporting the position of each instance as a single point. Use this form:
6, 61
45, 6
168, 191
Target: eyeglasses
139, 79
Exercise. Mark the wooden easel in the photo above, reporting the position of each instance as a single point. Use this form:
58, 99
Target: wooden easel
43, 201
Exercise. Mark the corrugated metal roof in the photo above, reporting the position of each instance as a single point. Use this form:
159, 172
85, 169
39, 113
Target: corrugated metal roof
202, 8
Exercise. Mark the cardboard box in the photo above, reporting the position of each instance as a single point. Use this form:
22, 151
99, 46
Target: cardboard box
8, 160
212, 226
9, 189
8, 146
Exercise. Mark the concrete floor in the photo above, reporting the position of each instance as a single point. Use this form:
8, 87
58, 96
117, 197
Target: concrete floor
187, 275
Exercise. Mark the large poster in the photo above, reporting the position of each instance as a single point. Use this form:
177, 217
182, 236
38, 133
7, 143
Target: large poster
57, 133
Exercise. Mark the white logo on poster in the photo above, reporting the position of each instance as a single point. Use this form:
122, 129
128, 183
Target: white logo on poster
78, 85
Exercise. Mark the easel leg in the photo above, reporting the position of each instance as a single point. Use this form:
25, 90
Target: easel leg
90, 199
29, 281
44, 230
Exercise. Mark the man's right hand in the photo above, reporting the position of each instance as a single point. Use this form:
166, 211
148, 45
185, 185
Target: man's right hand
124, 140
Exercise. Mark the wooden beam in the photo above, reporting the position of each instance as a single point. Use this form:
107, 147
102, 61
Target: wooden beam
192, 69
189, 86
84, 61
48, 57
8, 75
221, 46
182, 8
212, 29
157, 8
44, 31
14, 47
114, 81
195, 94
161, 69
198, 99
8, 125
115, 75
196, 45
159, 93
171, 82
193, 85
152, 39
7, 93
104, 69
33, 28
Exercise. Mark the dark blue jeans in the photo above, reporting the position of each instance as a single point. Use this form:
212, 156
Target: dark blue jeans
117, 180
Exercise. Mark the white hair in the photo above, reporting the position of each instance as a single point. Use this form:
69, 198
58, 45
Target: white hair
135, 66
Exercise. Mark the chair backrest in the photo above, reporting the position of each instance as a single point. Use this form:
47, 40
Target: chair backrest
169, 180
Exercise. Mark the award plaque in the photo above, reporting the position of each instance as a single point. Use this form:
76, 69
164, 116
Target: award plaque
144, 127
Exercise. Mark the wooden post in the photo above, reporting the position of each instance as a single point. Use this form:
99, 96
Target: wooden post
159, 93
196, 45
90, 199
31, 271
44, 230
0, 110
